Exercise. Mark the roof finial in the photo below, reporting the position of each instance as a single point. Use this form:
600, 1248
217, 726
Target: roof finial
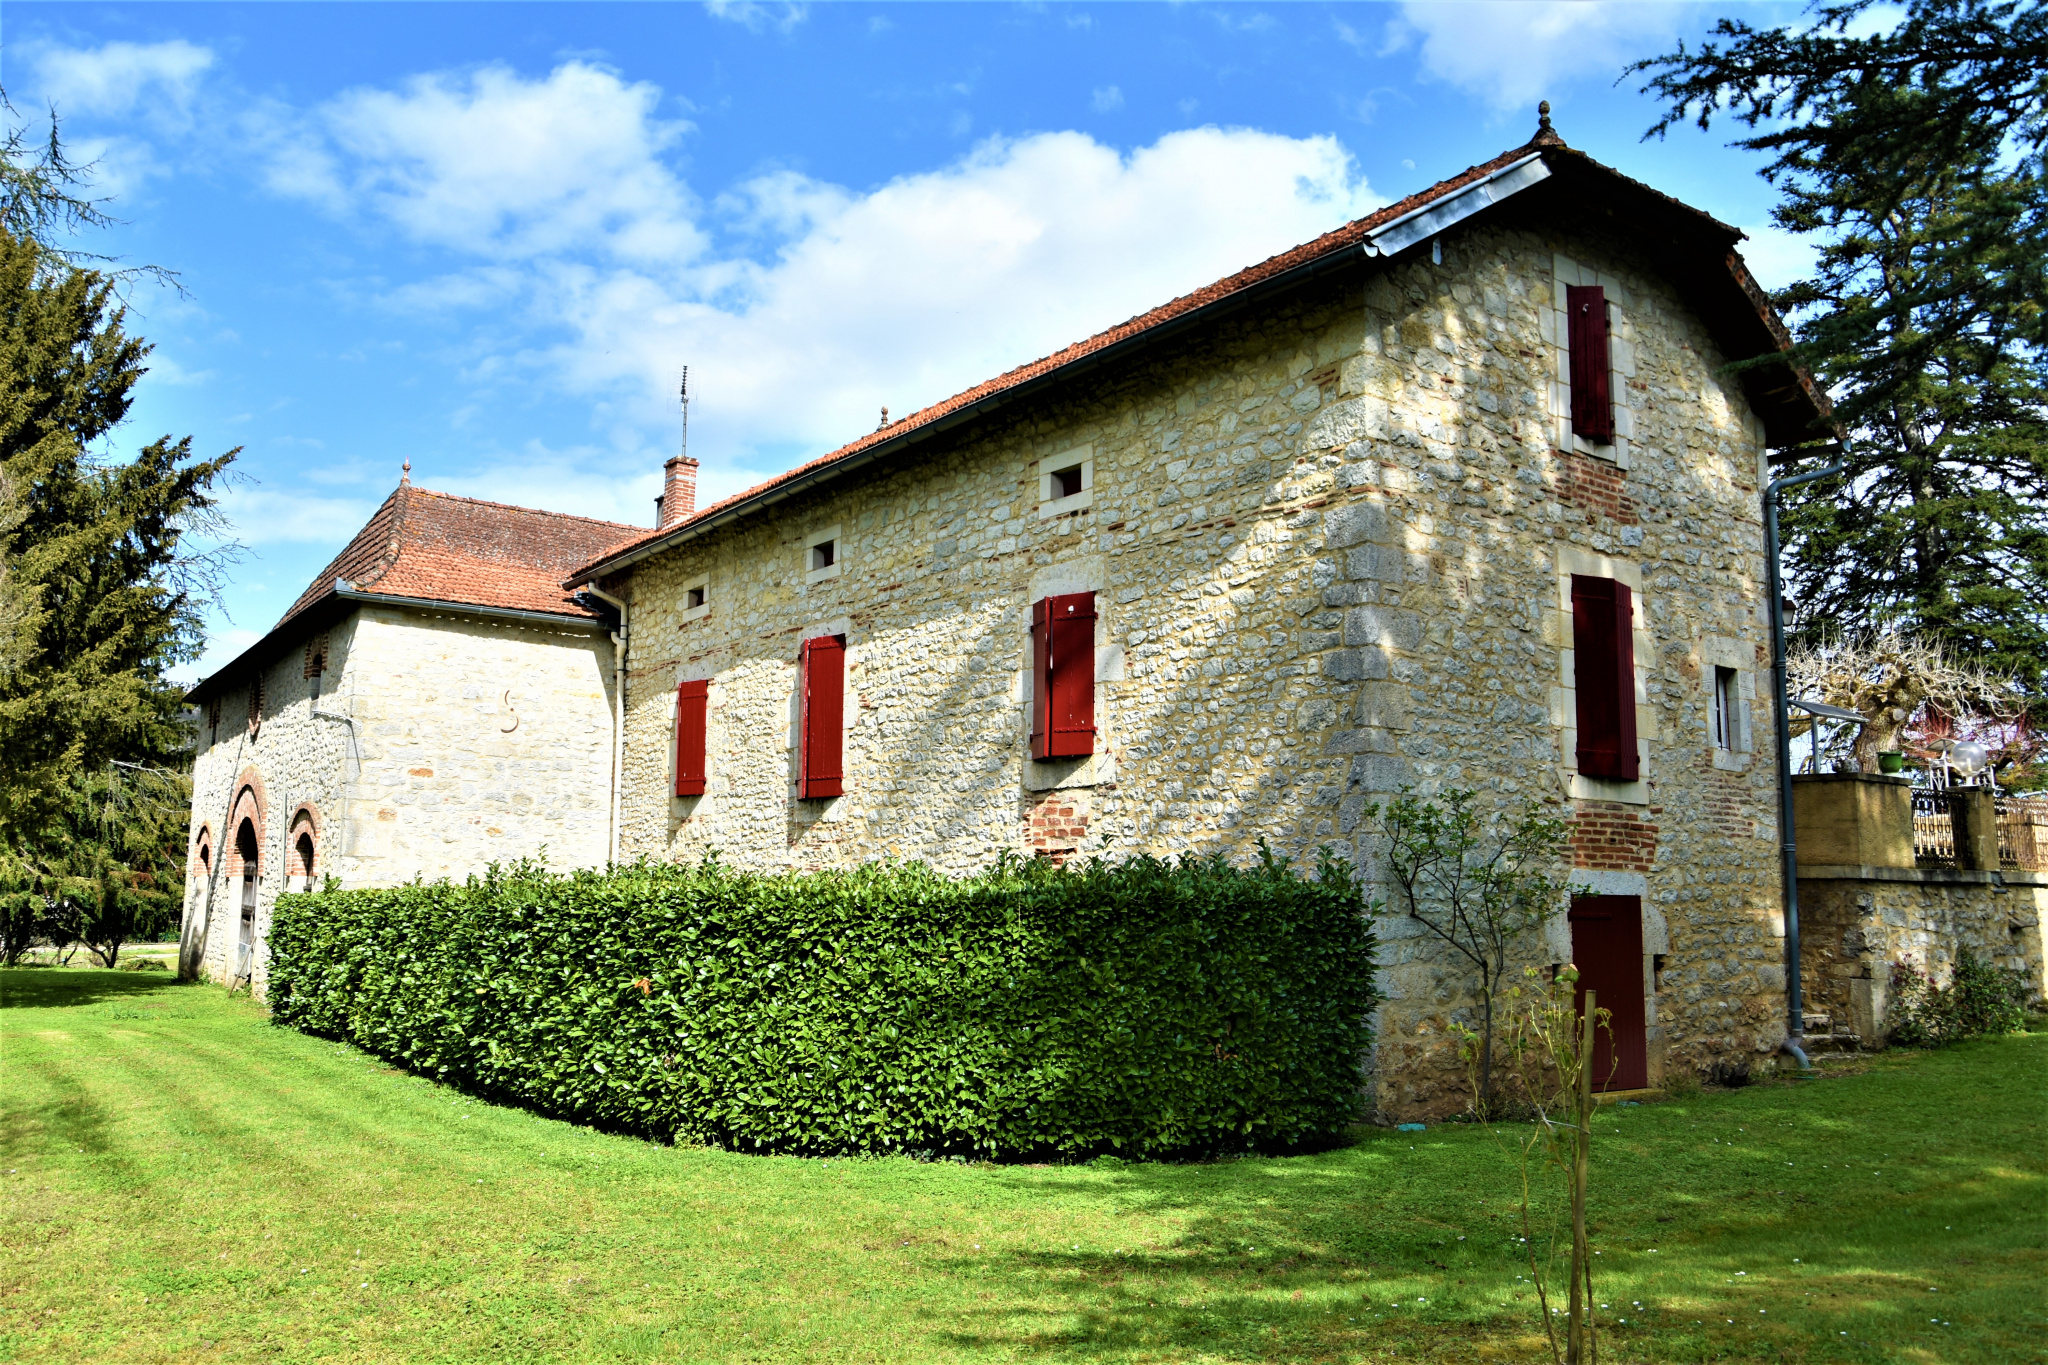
885, 419
1544, 132
405, 472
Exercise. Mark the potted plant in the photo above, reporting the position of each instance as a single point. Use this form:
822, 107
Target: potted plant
1891, 761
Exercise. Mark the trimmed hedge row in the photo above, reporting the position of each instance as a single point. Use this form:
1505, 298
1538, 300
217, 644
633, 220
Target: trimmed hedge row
1147, 1007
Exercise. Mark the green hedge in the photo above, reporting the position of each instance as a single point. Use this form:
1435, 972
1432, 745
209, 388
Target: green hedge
1147, 1007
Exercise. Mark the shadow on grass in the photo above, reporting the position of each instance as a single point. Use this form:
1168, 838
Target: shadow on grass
43, 988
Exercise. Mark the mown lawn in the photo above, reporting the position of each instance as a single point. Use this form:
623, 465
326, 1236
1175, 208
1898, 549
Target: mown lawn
186, 1182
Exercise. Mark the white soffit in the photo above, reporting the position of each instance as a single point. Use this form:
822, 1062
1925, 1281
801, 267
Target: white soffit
1431, 219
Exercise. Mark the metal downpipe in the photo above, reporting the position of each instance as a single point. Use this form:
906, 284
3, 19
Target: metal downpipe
619, 638
1788, 852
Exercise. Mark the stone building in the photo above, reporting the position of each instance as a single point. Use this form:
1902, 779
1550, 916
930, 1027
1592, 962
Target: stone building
1461, 494
433, 701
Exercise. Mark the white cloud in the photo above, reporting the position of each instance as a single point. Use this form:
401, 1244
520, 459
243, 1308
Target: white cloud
499, 165
1515, 52
265, 516
112, 79
800, 306
758, 17
1108, 98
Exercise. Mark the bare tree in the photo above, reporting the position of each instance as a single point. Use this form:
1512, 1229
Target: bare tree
1896, 680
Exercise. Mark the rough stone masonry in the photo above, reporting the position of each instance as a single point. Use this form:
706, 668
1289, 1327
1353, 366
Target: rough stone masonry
1331, 540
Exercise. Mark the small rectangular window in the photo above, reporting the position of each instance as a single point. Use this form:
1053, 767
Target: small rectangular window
694, 598
1066, 482
1727, 707
822, 558
693, 699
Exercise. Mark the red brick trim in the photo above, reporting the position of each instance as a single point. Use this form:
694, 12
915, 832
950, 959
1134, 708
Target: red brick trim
202, 857
1594, 486
1055, 823
305, 819
1609, 837
252, 803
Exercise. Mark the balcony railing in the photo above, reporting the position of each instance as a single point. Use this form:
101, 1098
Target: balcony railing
2022, 832
1934, 829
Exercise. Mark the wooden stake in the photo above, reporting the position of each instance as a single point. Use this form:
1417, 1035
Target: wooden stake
1578, 1347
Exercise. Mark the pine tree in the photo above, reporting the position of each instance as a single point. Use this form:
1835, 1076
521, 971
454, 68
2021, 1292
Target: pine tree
1915, 157
104, 594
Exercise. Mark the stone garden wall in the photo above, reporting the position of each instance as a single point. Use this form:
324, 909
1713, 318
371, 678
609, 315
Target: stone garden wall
1856, 923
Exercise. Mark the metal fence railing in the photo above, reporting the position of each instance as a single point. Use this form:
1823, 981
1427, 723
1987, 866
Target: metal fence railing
2022, 832
1934, 829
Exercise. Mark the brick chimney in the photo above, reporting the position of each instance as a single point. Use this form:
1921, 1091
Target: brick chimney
678, 491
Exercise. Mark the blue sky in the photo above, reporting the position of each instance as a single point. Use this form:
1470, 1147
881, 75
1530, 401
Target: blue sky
486, 237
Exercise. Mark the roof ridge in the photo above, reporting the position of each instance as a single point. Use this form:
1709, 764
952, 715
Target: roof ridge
515, 507
1357, 227
1546, 143
400, 495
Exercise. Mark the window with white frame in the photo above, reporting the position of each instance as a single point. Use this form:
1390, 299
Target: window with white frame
824, 553
697, 597
1727, 705
1066, 482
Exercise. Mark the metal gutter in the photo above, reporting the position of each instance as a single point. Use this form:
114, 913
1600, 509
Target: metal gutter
1416, 224
349, 594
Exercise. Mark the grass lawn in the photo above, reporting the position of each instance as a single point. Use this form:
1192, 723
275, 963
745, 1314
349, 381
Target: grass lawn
186, 1182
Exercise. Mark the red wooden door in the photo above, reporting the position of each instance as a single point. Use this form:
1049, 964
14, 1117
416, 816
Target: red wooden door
1607, 948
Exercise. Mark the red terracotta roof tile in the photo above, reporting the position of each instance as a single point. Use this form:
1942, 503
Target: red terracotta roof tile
443, 548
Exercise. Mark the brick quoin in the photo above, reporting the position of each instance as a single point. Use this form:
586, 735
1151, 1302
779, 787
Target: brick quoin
1606, 837
1594, 486
1729, 804
1055, 824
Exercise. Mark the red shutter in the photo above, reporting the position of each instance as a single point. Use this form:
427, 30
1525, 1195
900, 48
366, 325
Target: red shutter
691, 700
1604, 667
1592, 404
1063, 676
822, 667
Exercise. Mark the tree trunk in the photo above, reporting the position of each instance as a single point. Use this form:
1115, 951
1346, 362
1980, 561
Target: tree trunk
1486, 1053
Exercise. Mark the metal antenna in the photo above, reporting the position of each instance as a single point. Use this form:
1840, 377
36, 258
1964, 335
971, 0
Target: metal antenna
684, 393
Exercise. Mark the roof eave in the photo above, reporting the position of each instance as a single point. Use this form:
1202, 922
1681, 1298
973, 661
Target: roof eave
1350, 253
1387, 239
334, 605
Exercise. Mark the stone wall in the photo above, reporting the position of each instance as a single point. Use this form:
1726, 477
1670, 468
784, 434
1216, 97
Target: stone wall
1857, 922
438, 743
1331, 542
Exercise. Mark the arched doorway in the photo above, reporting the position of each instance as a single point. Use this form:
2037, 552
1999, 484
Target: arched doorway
245, 940
302, 865
192, 933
